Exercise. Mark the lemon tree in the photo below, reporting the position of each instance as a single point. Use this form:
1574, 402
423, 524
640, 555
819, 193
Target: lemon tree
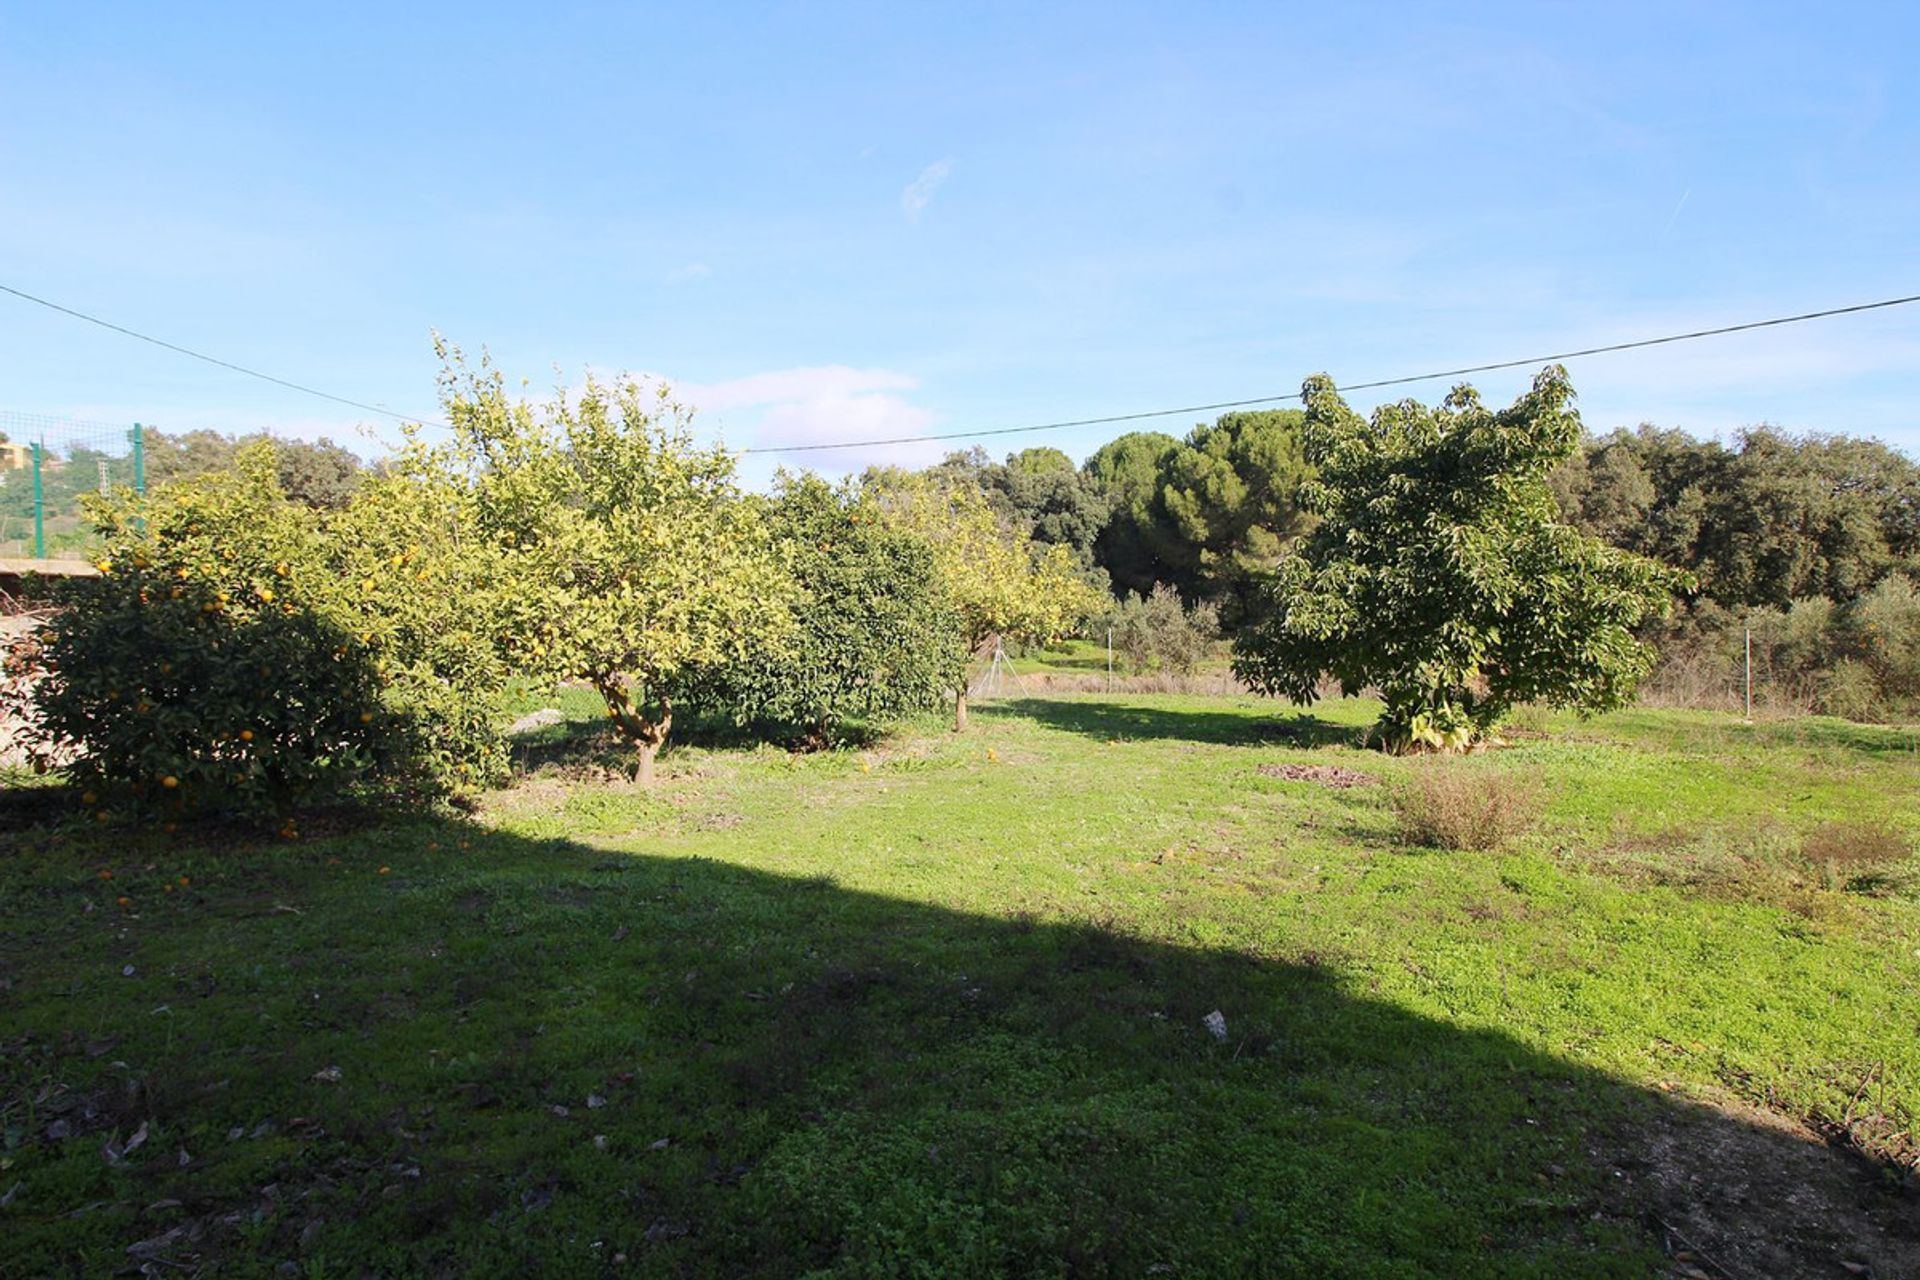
628, 555
1002, 584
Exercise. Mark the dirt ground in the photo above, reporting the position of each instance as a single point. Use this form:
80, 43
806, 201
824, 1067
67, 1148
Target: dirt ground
1743, 1194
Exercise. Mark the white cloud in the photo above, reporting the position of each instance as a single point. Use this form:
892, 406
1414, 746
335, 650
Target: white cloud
689, 273
916, 195
820, 404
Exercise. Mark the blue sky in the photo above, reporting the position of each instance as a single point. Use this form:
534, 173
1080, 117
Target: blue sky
825, 222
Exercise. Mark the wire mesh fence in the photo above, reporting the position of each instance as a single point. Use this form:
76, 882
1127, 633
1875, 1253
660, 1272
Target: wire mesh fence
47, 467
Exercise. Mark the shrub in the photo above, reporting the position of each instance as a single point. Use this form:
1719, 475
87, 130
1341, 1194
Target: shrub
1883, 628
1449, 804
238, 653
1157, 633
877, 638
1850, 691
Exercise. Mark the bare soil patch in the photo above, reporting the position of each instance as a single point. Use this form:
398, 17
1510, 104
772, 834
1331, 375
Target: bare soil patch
1741, 1192
1327, 775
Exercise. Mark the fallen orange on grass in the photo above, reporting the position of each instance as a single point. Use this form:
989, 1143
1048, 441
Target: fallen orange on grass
386, 871
124, 901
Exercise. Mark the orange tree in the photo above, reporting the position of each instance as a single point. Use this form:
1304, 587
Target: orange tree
629, 558
428, 594
876, 635
230, 656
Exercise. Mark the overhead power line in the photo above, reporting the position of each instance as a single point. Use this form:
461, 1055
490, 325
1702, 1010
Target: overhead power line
1354, 386
214, 360
1029, 428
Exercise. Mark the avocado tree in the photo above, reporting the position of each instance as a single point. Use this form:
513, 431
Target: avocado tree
632, 556
1441, 572
1001, 583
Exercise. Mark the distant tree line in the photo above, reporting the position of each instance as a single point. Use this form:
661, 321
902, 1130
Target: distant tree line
1812, 541
317, 473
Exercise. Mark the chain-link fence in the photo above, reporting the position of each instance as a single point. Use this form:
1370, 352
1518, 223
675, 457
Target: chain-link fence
47, 465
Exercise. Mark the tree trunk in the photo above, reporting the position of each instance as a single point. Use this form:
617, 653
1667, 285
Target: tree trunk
647, 733
960, 710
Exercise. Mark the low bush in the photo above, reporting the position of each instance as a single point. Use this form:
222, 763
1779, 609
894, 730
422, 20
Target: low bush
1156, 633
1452, 804
238, 653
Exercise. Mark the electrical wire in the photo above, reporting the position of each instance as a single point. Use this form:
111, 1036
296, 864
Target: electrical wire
214, 360
1355, 386
1029, 428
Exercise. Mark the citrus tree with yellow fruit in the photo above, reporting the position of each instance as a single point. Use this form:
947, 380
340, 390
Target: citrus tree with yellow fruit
429, 595
1003, 585
228, 659
628, 554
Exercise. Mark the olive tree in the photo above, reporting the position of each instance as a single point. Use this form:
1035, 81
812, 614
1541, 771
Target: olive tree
1442, 574
632, 556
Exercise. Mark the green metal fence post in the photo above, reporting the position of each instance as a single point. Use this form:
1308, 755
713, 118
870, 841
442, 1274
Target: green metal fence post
139, 460
39, 505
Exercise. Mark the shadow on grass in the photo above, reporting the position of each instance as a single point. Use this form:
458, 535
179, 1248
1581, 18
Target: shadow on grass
1826, 731
536, 1058
1130, 721
592, 746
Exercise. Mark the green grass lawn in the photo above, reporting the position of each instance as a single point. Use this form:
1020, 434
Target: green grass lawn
936, 1008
